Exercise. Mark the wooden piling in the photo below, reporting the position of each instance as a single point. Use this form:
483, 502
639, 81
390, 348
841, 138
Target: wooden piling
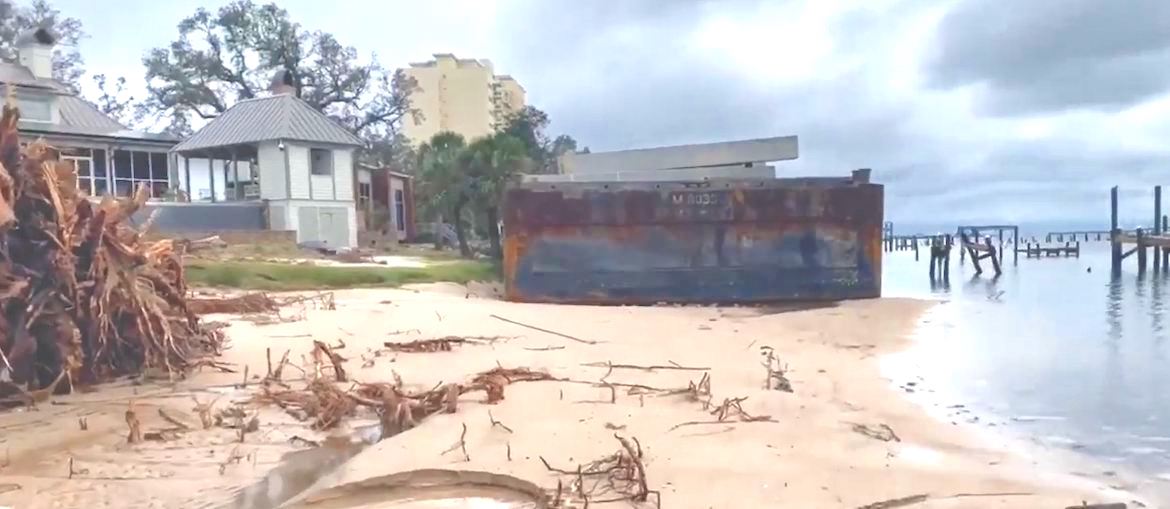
1157, 226
994, 256
947, 258
1000, 244
1165, 252
1141, 251
1114, 233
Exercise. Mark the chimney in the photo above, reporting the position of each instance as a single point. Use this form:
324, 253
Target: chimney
283, 82
34, 50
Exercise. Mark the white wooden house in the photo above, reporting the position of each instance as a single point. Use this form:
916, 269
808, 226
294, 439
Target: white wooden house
283, 152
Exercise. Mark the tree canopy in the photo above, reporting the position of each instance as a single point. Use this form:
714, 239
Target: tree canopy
232, 54
529, 125
68, 65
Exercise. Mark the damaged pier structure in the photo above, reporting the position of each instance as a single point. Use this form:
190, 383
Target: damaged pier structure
715, 232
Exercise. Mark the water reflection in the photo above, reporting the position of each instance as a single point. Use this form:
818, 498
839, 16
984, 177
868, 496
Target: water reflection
1054, 339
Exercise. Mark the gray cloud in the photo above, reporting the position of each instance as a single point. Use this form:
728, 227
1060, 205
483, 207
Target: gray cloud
621, 75
1049, 55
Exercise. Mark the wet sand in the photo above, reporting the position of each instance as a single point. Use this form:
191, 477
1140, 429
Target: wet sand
811, 456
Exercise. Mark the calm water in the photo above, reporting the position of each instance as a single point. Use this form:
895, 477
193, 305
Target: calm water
1054, 350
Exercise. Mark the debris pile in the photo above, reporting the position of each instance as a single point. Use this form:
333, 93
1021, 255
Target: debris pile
82, 297
325, 403
247, 303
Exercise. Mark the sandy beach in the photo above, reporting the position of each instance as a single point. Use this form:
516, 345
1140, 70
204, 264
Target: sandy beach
841, 439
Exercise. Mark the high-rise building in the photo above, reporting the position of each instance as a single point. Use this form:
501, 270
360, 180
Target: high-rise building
460, 95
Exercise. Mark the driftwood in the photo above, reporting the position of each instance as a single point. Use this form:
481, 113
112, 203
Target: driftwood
535, 328
326, 404
80, 293
620, 476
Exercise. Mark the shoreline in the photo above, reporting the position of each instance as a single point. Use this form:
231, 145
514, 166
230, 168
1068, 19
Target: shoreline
812, 455
947, 405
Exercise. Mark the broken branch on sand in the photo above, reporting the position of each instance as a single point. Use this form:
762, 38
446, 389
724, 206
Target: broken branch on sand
673, 365
498, 423
775, 378
881, 432
897, 502
135, 434
444, 344
622, 474
335, 360
182, 426
461, 444
546, 331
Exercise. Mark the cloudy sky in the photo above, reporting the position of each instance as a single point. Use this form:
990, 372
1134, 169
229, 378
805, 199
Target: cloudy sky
969, 110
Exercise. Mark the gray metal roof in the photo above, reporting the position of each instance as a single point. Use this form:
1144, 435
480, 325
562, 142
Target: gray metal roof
279, 117
21, 76
78, 117
81, 118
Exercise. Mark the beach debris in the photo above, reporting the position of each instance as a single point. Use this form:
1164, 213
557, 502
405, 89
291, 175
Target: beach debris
620, 476
233, 458
731, 410
83, 423
897, 502
6, 487
652, 367
204, 411
498, 423
1085, 505
546, 331
248, 303
881, 432
321, 350
83, 294
135, 434
76, 471
775, 379
326, 404
461, 444
174, 420
426, 345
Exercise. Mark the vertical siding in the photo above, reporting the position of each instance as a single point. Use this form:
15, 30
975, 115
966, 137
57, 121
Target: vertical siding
298, 162
277, 218
272, 177
343, 174
323, 186
351, 212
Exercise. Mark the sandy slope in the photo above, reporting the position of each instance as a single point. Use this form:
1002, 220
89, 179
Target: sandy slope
810, 457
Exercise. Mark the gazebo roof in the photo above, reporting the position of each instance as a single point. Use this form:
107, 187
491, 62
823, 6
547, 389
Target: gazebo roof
278, 117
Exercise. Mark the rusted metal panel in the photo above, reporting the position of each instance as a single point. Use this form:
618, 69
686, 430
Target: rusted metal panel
716, 241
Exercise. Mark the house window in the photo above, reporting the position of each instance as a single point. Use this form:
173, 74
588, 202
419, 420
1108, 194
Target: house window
133, 168
320, 161
364, 192
91, 177
400, 210
36, 109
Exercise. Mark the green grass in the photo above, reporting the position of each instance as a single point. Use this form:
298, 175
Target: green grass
289, 277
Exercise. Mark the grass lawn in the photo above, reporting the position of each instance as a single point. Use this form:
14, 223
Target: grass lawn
288, 277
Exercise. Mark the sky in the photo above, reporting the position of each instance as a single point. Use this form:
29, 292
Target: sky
968, 111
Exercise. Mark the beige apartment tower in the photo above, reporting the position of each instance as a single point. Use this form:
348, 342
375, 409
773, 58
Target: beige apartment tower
460, 95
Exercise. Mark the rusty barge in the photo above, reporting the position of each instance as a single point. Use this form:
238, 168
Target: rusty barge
739, 240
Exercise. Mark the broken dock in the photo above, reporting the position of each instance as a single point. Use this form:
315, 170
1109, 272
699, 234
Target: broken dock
1141, 239
1031, 250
